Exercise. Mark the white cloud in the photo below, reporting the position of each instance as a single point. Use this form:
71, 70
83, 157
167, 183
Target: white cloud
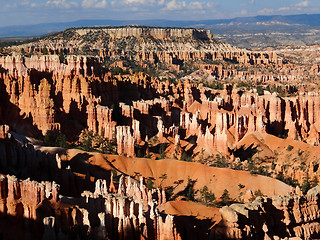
61, 4
266, 11
169, 5
297, 6
24, 3
137, 1
28, 3
303, 4
284, 9
94, 3
196, 5
252, 2
175, 5
211, 5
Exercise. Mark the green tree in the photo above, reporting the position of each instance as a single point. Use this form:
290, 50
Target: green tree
155, 140
169, 194
258, 193
118, 71
207, 196
115, 176
48, 139
109, 147
137, 175
289, 148
225, 197
45, 51
162, 150
163, 177
61, 141
62, 57
315, 182
86, 138
139, 154
305, 185
260, 90
185, 157
149, 184
189, 191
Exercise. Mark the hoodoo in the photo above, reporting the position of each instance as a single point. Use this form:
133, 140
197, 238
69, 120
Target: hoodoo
156, 133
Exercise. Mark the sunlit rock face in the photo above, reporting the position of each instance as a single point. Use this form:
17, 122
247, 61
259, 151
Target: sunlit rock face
55, 193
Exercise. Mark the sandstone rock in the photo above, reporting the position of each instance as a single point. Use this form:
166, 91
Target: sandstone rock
4, 131
125, 141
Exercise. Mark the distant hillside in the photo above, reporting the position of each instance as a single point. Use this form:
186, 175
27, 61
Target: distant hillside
264, 31
259, 31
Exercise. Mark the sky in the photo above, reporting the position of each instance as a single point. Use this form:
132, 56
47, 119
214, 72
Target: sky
23, 12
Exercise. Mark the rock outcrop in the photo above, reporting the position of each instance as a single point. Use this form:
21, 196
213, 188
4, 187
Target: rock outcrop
39, 210
4, 131
147, 44
32, 209
48, 98
59, 193
276, 217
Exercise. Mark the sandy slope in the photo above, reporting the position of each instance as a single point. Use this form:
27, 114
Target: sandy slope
198, 210
177, 173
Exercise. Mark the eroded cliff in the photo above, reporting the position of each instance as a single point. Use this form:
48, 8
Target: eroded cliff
72, 100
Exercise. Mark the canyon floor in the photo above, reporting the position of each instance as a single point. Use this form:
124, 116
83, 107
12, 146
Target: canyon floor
158, 133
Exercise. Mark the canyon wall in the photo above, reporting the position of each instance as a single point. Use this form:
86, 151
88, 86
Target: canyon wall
275, 217
77, 207
159, 33
51, 96
57, 193
125, 208
166, 46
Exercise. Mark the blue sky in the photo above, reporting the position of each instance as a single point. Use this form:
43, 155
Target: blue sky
20, 12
